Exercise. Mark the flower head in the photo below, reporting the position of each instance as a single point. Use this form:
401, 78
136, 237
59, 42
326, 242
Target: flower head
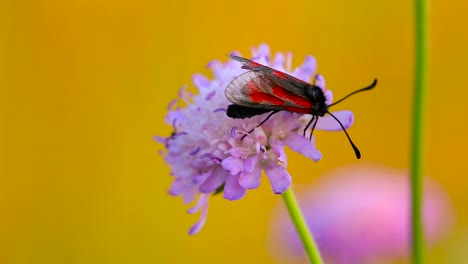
360, 214
205, 151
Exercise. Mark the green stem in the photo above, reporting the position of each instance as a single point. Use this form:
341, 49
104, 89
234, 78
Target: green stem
301, 227
420, 84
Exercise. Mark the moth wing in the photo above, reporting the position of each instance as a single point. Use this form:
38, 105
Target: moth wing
288, 82
256, 89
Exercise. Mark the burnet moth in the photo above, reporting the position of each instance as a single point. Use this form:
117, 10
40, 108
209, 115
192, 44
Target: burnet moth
263, 89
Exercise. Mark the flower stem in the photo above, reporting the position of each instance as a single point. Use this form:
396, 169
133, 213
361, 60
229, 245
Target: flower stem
420, 83
301, 227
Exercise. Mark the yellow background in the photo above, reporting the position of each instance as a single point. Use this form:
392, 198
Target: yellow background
85, 84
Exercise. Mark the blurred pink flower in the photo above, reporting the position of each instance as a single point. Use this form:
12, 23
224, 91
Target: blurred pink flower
360, 214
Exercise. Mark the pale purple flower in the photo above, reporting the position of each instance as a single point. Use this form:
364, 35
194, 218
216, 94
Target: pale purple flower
205, 151
360, 214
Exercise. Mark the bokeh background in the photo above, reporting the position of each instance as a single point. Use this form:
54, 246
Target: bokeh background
85, 85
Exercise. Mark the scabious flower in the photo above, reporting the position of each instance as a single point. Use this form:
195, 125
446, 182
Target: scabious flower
358, 215
205, 150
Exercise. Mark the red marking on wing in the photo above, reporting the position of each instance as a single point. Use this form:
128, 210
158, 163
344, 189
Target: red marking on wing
253, 87
260, 97
281, 75
254, 64
298, 100
251, 65
297, 109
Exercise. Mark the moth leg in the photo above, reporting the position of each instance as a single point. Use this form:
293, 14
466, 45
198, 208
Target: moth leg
313, 128
308, 125
261, 123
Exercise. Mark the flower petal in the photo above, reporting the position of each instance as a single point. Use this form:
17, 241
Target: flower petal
320, 82
283, 122
189, 195
249, 163
202, 200
214, 181
303, 146
160, 139
201, 222
289, 56
178, 186
219, 70
233, 165
279, 178
232, 189
278, 62
328, 123
250, 179
197, 226
238, 152
305, 71
200, 81
260, 135
261, 53
201, 177
277, 147
328, 97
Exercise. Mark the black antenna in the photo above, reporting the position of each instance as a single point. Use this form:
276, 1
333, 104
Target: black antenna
356, 150
358, 91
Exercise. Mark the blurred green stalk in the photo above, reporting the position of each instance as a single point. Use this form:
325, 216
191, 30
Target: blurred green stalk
420, 84
301, 227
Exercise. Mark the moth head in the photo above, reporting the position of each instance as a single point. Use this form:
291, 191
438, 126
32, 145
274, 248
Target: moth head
317, 97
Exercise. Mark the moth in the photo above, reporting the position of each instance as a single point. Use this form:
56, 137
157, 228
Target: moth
263, 90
